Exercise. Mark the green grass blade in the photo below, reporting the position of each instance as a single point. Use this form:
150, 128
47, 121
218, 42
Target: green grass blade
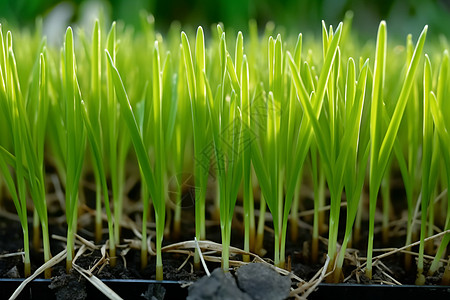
392, 130
128, 115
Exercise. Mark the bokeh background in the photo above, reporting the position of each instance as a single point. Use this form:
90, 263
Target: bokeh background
402, 16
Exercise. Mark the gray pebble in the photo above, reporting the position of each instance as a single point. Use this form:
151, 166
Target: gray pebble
262, 282
218, 286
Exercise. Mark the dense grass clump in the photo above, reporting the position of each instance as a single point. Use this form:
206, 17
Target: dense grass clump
261, 117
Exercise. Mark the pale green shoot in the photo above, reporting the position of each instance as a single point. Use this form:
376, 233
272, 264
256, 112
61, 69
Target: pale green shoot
155, 188
426, 165
382, 143
200, 123
180, 140
94, 141
75, 142
226, 121
355, 167
438, 107
333, 165
249, 217
17, 189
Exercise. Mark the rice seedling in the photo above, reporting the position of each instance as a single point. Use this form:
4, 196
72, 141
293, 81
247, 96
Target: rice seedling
225, 111
181, 140
292, 131
265, 158
75, 140
246, 137
28, 135
116, 139
436, 104
382, 143
355, 167
91, 112
407, 163
426, 163
16, 189
334, 158
154, 179
201, 128
96, 108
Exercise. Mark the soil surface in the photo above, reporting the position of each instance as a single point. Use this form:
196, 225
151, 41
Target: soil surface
254, 281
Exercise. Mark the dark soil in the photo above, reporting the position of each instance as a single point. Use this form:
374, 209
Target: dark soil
11, 241
74, 286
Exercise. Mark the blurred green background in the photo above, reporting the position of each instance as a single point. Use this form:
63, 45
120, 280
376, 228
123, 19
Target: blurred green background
403, 16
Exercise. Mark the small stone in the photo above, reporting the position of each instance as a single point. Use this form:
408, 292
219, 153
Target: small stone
13, 273
262, 282
218, 286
